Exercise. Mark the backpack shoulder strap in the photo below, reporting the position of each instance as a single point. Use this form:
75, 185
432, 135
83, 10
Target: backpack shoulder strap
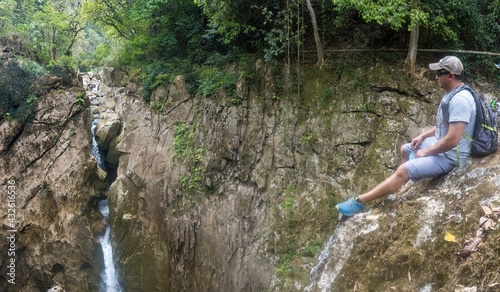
445, 106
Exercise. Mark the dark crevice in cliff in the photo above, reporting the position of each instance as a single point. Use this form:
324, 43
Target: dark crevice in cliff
46, 110
14, 139
389, 167
57, 134
177, 105
413, 93
32, 195
61, 153
40, 156
364, 144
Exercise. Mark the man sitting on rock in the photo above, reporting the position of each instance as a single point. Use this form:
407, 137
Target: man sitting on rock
436, 151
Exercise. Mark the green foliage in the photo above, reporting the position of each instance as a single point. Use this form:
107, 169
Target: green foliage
309, 138
278, 36
6, 10
66, 61
312, 250
17, 88
211, 79
284, 263
395, 13
225, 18
366, 107
33, 68
190, 183
79, 98
183, 140
114, 17
478, 28
48, 28
160, 73
288, 204
102, 51
247, 63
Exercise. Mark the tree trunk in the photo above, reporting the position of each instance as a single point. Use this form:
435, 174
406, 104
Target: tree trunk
319, 47
54, 49
411, 58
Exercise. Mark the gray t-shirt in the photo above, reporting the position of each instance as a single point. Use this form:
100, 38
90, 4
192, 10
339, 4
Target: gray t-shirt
462, 108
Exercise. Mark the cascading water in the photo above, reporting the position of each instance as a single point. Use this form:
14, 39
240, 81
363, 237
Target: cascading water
109, 276
338, 250
340, 244
97, 152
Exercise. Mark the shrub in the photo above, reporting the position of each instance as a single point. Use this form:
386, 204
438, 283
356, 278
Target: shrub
17, 89
211, 79
66, 61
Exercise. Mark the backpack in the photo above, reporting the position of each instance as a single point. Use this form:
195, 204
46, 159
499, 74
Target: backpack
485, 138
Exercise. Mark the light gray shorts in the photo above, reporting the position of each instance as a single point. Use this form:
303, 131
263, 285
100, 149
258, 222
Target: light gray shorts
427, 167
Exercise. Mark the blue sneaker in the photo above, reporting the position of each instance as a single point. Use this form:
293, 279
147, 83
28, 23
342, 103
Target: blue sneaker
350, 207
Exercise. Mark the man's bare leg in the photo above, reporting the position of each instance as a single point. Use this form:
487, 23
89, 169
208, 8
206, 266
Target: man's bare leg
387, 187
404, 156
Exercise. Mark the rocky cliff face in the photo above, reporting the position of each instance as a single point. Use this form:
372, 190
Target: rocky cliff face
50, 185
218, 195
236, 192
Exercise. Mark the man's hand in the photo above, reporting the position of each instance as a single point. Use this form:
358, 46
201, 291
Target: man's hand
449, 141
421, 153
416, 142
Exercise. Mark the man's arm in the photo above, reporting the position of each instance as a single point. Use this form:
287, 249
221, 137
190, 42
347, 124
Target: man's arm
449, 141
417, 140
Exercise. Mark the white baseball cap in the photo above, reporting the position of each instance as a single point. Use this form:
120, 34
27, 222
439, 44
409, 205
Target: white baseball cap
449, 63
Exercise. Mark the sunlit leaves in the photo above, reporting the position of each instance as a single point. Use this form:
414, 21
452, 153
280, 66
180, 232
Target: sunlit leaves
227, 17
6, 10
394, 12
47, 28
113, 16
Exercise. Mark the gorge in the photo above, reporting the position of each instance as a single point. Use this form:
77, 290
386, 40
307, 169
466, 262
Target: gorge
216, 195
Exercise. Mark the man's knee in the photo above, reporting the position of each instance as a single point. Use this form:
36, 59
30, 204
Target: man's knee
403, 154
402, 172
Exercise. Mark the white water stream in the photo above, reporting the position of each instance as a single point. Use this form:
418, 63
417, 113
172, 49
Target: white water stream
340, 245
109, 276
338, 250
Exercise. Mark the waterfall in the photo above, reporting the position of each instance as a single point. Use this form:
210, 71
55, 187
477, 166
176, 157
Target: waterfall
338, 250
109, 276
340, 244
97, 152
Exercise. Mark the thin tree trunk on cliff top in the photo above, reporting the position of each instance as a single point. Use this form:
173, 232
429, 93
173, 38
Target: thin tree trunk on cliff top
319, 47
411, 58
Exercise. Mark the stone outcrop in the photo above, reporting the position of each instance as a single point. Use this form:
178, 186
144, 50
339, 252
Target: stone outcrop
108, 129
10, 46
47, 163
46, 83
222, 197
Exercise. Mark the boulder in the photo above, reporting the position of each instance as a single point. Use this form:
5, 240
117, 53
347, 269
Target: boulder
69, 77
113, 156
108, 128
11, 44
46, 83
